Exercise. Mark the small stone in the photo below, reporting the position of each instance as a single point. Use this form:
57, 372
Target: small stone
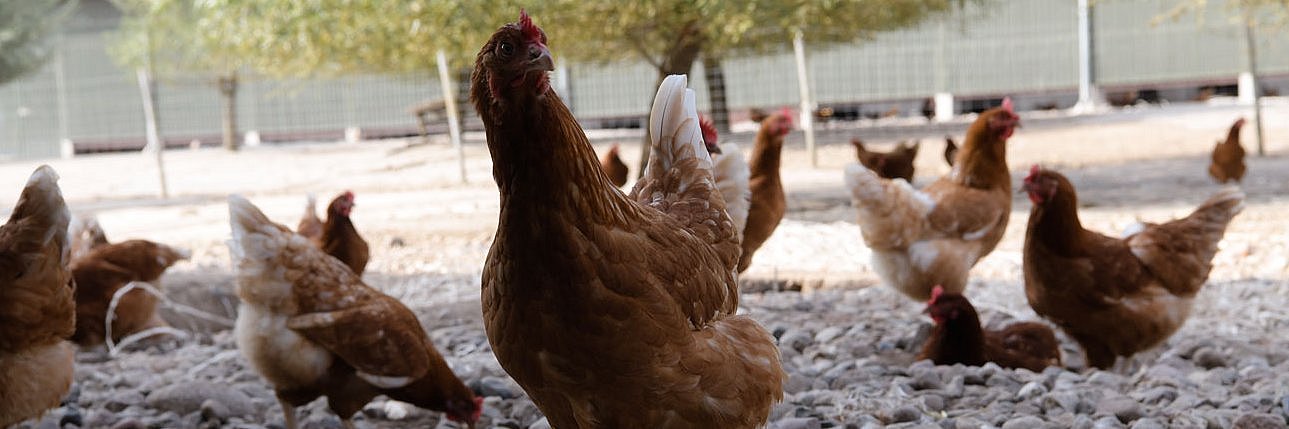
1147, 423
1123, 408
71, 416
129, 423
121, 400
212, 410
933, 403
1023, 422
1208, 358
926, 380
1082, 422
796, 340
494, 386
1108, 422
398, 410
1031, 390
540, 424
828, 334
798, 423
1066, 401
1259, 421
903, 414
185, 398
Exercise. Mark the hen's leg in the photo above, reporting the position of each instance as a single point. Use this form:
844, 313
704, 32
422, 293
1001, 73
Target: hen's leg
288, 413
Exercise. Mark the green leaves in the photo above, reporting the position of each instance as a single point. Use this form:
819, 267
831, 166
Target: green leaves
327, 37
25, 27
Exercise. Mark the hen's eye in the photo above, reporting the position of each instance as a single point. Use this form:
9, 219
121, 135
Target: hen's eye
506, 48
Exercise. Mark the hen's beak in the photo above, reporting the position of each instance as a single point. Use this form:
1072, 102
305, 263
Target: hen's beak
540, 58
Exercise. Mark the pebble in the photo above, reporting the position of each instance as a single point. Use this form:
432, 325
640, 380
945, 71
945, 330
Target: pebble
1031, 390
1023, 422
798, 423
184, 398
1125, 409
903, 414
1147, 423
1207, 358
1259, 421
540, 424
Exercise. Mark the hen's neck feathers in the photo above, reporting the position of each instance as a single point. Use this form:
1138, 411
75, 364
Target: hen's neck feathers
543, 164
983, 159
1056, 224
960, 341
766, 154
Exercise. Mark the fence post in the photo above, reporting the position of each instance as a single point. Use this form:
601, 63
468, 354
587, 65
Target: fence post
1087, 92
150, 126
450, 105
66, 148
1252, 42
807, 106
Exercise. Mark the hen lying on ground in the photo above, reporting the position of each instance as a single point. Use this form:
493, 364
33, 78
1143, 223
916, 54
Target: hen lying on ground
105, 270
933, 236
36, 308
959, 338
1116, 296
309, 325
612, 311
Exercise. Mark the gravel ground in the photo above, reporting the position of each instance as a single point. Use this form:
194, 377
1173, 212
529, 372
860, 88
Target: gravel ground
848, 348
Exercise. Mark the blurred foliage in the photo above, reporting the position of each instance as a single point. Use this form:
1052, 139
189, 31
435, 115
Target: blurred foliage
25, 27
1260, 13
328, 37
175, 38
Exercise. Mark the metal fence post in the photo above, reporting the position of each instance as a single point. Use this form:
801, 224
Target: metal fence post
449, 103
807, 106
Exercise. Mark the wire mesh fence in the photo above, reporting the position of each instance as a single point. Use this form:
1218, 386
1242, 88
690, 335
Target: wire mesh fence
1028, 50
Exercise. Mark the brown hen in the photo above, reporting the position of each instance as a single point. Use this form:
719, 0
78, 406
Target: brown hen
105, 270
614, 167
768, 204
612, 311
959, 338
339, 238
37, 311
1116, 296
1228, 157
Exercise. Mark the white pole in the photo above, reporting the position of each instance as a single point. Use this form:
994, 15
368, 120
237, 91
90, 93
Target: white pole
1087, 96
1252, 44
807, 106
60, 86
150, 126
449, 104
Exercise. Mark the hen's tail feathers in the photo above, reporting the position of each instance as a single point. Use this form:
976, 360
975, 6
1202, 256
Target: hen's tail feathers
255, 237
732, 176
674, 131
891, 213
1218, 210
41, 212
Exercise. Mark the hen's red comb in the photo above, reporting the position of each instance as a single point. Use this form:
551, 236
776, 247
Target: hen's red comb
526, 25
1007, 105
935, 294
709, 130
349, 194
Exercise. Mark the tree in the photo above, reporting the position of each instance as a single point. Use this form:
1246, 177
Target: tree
1251, 15
25, 27
183, 39
672, 34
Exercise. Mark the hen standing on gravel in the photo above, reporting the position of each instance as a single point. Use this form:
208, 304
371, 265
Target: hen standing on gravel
612, 311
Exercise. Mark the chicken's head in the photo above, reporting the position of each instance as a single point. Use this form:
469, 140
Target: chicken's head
342, 205
1002, 121
465, 411
779, 124
514, 65
710, 136
1042, 185
946, 307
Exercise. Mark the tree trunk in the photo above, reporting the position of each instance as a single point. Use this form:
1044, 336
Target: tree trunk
715, 76
680, 60
228, 92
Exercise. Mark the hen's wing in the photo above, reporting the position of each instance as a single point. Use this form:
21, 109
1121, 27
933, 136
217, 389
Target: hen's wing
1180, 253
892, 215
370, 331
678, 180
732, 177
36, 305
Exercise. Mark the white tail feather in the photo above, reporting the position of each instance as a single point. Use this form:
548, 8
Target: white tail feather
732, 176
673, 126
